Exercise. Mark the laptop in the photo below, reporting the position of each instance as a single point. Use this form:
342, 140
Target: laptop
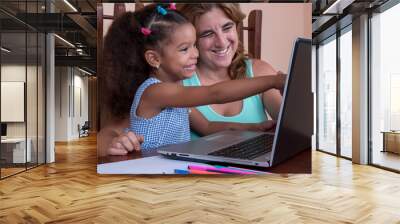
262, 149
3, 131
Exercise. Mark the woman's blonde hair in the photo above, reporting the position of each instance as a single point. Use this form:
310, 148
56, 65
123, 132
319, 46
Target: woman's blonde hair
237, 69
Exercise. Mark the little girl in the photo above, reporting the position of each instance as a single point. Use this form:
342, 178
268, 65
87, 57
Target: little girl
165, 55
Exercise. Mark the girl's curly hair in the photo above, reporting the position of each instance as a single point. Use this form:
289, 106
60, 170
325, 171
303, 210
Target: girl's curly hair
125, 67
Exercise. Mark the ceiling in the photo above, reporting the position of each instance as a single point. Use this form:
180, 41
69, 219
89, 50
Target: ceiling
328, 13
76, 25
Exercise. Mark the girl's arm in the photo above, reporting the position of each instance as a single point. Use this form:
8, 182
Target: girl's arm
162, 95
202, 126
272, 98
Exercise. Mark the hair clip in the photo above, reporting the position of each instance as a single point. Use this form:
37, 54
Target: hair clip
172, 6
146, 31
161, 10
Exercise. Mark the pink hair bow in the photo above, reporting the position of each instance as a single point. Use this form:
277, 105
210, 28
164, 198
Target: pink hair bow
145, 31
172, 6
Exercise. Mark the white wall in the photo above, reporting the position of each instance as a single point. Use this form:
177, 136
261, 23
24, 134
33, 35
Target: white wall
12, 101
17, 72
82, 83
70, 83
62, 81
80, 102
33, 126
13, 72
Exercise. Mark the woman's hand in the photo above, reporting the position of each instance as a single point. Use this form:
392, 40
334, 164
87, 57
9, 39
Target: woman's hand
280, 80
264, 126
124, 143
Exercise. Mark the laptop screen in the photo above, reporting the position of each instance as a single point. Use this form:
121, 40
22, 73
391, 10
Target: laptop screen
295, 122
3, 129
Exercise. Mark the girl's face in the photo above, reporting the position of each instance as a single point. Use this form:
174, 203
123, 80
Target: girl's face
179, 53
217, 39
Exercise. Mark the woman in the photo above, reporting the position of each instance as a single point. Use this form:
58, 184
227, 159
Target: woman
221, 58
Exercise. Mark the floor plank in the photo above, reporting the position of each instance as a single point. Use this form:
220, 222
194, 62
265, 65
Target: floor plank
70, 191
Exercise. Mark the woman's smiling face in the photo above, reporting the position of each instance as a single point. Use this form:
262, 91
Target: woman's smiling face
217, 39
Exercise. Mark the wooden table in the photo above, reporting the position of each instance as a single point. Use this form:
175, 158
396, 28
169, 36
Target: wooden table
391, 141
13, 150
301, 163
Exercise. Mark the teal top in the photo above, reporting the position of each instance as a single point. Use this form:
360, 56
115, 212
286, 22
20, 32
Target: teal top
252, 110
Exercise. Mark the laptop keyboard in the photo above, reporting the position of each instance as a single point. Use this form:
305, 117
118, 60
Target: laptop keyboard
248, 149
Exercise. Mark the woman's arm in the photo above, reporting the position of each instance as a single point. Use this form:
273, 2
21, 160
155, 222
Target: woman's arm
272, 98
201, 125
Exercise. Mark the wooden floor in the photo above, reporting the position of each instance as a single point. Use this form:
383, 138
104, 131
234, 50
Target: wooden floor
70, 191
5, 172
386, 159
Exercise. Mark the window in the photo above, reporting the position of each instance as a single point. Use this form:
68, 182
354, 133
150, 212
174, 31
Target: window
385, 85
327, 96
346, 92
